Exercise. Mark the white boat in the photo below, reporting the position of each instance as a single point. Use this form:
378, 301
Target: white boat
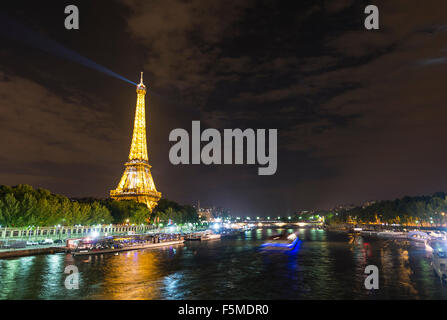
418, 236
437, 235
210, 236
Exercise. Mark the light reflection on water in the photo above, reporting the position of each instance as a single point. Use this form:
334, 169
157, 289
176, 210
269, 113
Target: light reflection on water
324, 266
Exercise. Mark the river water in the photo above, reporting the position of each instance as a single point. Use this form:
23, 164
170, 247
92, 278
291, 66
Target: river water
326, 265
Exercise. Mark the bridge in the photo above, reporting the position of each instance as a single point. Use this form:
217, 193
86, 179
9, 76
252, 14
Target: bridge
278, 224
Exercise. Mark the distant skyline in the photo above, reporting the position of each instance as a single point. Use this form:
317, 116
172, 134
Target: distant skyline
360, 114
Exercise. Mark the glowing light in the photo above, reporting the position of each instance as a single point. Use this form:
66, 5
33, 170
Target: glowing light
291, 236
136, 182
282, 245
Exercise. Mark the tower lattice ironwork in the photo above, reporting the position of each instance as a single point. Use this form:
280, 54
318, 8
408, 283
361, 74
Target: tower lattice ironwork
137, 183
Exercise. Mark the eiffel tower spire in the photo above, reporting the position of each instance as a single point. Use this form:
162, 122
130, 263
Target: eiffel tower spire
137, 183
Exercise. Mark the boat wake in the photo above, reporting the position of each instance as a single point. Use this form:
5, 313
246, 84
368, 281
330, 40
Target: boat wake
282, 243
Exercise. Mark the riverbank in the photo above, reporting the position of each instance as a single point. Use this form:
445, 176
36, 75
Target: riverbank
16, 253
349, 227
31, 251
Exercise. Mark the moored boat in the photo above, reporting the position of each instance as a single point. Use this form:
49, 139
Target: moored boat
117, 244
210, 236
193, 238
437, 235
418, 236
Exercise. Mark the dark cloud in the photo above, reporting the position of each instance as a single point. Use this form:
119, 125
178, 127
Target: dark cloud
182, 40
359, 113
46, 138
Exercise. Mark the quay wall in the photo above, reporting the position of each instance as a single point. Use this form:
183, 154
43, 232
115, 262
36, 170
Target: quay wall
65, 232
30, 252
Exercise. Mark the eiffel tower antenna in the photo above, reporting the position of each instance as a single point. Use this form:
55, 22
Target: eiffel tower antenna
136, 182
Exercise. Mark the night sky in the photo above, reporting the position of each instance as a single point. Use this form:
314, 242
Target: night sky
360, 114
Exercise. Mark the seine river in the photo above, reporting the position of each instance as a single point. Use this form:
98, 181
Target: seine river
327, 265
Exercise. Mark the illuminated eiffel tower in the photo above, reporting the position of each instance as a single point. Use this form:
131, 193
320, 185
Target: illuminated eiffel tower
137, 183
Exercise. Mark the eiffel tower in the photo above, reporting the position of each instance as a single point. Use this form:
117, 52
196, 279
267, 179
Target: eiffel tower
137, 183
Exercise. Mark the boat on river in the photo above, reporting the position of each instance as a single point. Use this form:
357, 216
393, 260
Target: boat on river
210, 236
284, 241
202, 236
193, 237
89, 246
437, 235
418, 236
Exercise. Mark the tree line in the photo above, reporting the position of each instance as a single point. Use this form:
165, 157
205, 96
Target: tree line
428, 210
23, 205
